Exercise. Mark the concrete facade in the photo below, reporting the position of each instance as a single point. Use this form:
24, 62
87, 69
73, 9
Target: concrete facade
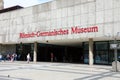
61, 14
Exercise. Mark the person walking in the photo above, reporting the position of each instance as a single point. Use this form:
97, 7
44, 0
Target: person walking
0, 57
52, 56
28, 57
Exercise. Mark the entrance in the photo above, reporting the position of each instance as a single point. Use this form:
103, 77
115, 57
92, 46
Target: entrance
60, 53
22, 50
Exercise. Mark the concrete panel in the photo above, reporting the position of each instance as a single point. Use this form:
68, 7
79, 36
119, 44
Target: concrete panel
39, 9
64, 3
64, 37
53, 23
53, 14
91, 0
45, 7
19, 28
32, 27
64, 22
84, 35
12, 29
76, 36
70, 11
13, 21
116, 28
84, 8
53, 5
91, 7
77, 9
77, 1
109, 4
116, 15
116, 3
91, 18
108, 28
59, 23
83, 1
4, 23
35, 9
3, 31
4, 16
100, 30
59, 3
58, 13
71, 2
48, 23
48, 15
70, 36
64, 12
84, 19
25, 12
100, 17
70, 21
20, 21
43, 24
40, 25
27, 19
42, 16
14, 14
100, 5
35, 18
108, 16
77, 21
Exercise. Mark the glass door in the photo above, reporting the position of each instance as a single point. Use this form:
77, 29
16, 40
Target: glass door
101, 53
101, 57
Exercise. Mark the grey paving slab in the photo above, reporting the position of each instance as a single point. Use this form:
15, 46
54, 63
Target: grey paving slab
55, 71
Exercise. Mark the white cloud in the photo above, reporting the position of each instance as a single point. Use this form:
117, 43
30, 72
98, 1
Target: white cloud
24, 3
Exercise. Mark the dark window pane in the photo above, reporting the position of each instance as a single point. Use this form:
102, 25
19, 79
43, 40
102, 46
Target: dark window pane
101, 45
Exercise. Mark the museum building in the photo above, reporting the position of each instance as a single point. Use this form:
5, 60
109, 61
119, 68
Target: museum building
75, 31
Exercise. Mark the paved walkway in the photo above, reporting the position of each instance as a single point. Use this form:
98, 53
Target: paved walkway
55, 71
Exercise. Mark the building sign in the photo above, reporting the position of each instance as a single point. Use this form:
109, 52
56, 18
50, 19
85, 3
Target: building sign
55, 32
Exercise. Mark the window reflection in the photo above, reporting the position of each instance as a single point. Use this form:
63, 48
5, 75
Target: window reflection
101, 57
101, 52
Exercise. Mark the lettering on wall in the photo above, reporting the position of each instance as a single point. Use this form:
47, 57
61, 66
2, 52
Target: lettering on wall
55, 32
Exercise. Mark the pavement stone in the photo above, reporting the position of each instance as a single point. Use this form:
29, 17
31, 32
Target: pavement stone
21, 70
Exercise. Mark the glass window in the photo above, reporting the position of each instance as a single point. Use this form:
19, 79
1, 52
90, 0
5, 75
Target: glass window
86, 46
101, 45
111, 56
101, 57
111, 53
119, 55
86, 58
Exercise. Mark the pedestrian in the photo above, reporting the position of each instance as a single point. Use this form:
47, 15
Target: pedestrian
52, 56
28, 57
15, 56
8, 57
0, 57
12, 57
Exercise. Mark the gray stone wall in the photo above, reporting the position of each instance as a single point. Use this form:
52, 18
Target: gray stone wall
62, 14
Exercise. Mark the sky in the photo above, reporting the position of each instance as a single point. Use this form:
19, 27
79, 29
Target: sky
23, 3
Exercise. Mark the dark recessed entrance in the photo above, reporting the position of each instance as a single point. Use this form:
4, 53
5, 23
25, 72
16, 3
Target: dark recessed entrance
60, 53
